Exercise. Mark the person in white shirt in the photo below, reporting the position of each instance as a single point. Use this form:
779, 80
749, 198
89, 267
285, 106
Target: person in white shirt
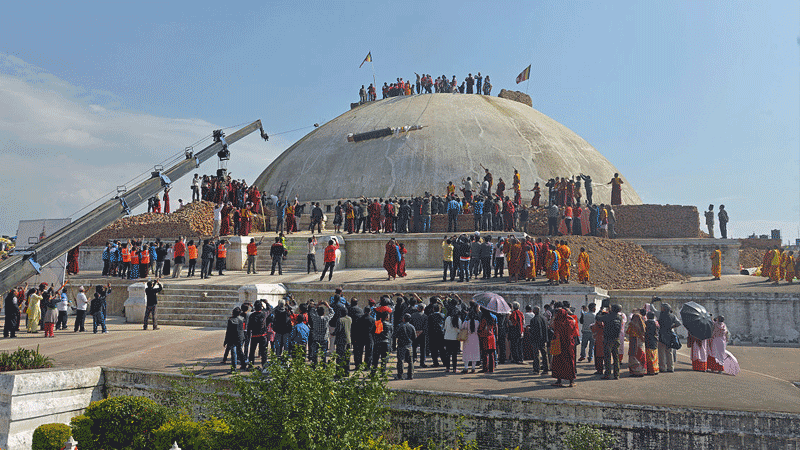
80, 311
311, 256
529, 314
62, 306
217, 219
587, 338
196, 188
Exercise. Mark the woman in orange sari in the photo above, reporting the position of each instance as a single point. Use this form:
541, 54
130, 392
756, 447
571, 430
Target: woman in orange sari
636, 355
551, 265
530, 261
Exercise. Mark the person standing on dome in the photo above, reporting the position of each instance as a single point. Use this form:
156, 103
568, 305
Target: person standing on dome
616, 190
487, 177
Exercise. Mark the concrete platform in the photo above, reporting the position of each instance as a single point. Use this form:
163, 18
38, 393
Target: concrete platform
765, 383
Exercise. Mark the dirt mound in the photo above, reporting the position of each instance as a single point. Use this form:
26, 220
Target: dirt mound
751, 257
517, 96
616, 264
194, 219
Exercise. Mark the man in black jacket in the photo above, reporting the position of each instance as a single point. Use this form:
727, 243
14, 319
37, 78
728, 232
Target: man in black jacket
538, 329
257, 328
282, 326
12, 314
420, 322
382, 332
405, 336
277, 251
436, 334
612, 325
316, 218
207, 257
362, 339
151, 292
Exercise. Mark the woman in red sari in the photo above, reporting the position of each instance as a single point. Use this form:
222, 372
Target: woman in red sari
225, 227
72, 261
390, 259
401, 266
486, 333
166, 201
599, 344
699, 352
566, 330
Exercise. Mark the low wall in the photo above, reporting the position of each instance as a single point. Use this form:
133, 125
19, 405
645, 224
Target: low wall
499, 422
693, 256
751, 317
32, 398
639, 221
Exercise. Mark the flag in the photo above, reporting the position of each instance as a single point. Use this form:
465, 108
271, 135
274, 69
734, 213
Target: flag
522, 76
367, 59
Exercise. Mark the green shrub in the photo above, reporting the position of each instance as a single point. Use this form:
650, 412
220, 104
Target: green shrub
24, 359
119, 423
294, 405
586, 437
212, 434
82, 431
50, 436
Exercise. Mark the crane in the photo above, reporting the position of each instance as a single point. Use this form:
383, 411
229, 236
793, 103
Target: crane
23, 265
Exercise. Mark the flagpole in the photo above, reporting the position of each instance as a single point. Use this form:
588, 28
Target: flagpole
374, 82
527, 84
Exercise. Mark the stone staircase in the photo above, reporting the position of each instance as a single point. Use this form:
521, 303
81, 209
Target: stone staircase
197, 306
295, 261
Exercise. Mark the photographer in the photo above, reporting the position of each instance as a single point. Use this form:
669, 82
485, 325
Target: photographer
151, 292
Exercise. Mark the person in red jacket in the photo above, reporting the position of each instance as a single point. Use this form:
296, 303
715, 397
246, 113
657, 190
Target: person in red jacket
179, 253
330, 259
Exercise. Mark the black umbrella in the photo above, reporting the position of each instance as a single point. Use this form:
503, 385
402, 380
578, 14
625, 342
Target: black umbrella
697, 320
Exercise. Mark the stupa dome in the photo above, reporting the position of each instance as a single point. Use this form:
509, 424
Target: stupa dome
459, 132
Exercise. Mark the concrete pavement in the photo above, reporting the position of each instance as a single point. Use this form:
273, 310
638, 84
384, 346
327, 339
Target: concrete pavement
765, 383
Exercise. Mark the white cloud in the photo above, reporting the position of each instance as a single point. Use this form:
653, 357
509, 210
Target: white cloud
63, 146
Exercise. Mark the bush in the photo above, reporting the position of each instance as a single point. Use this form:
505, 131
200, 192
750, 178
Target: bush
119, 423
50, 436
211, 434
586, 437
24, 359
82, 431
294, 405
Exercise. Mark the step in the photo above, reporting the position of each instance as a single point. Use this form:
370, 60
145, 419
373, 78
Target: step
189, 306
210, 318
191, 323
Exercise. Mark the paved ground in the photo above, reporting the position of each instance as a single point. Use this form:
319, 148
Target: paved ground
433, 277
765, 383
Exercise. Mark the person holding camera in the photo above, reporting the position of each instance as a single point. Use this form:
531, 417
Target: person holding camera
151, 292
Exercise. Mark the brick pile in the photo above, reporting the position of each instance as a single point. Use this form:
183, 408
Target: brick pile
194, 219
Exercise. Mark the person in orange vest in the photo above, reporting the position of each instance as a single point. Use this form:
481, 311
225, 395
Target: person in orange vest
191, 255
222, 253
330, 258
126, 261
133, 273
252, 252
179, 256
144, 261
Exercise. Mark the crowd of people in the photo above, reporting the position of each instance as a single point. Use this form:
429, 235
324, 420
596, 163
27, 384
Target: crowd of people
779, 264
554, 337
46, 309
525, 258
426, 84
134, 259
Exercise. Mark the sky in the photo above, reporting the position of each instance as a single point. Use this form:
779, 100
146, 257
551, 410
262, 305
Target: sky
694, 102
